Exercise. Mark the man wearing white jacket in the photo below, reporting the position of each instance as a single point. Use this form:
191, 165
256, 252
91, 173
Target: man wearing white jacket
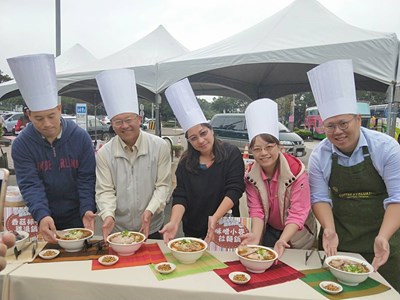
133, 171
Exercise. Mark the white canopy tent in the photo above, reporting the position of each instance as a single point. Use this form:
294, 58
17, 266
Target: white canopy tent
143, 56
75, 56
271, 58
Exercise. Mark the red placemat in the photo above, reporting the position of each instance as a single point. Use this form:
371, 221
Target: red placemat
147, 254
278, 273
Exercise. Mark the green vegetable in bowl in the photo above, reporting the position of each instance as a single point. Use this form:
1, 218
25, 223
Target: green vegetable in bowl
353, 269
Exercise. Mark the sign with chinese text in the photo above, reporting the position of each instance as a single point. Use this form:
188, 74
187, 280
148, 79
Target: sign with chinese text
227, 235
19, 218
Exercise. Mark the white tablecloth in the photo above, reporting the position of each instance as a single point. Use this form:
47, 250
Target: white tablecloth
4, 278
76, 280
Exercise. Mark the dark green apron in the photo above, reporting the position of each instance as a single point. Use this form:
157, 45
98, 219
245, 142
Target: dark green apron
357, 193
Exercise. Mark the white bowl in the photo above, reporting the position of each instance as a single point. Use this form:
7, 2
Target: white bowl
20, 243
165, 267
74, 245
108, 260
257, 266
349, 278
233, 276
186, 257
335, 288
49, 253
125, 249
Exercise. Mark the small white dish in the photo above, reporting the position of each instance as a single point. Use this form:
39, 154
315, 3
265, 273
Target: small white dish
239, 277
49, 253
165, 267
108, 260
330, 287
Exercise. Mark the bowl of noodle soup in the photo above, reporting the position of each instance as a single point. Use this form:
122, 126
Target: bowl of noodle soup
72, 240
349, 270
126, 242
256, 258
187, 250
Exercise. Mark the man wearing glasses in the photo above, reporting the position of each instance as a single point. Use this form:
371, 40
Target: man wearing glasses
133, 172
354, 179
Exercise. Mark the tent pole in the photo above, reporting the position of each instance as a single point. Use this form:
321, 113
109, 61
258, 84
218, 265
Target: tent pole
392, 111
58, 28
95, 119
157, 114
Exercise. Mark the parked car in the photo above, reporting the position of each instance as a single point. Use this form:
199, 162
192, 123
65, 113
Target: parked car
144, 125
10, 120
95, 127
105, 120
232, 128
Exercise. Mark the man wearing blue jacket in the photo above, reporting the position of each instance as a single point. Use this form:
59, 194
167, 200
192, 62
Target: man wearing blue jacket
53, 158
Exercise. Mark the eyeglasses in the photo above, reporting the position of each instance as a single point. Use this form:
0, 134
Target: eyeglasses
128, 121
195, 138
342, 125
268, 148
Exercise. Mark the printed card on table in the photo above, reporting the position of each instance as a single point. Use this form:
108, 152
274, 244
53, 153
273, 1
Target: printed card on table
19, 218
227, 236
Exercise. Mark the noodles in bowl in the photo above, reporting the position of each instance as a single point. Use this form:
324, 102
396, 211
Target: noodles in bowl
188, 245
126, 242
75, 234
187, 250
349, 270
255, 258
72, 240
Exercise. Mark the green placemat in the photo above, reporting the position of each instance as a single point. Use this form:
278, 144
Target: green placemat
368, 287
206, 263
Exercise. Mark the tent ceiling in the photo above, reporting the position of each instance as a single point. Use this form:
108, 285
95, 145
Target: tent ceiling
267, 80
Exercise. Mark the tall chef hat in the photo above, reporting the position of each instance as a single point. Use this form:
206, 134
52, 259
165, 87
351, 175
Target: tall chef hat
262, 117
332, 84
118, 91
184, 104
36, 79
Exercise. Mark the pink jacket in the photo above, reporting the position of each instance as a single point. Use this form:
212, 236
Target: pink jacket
286, 199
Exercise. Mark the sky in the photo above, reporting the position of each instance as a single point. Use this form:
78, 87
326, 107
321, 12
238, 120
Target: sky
104, 27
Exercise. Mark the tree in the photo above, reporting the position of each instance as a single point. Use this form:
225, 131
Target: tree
301, 102
4, 77
229, 105
372, 97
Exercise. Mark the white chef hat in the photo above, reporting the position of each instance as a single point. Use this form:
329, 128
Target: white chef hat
332, 84
184, 104
36, 79
262, 117
118, 91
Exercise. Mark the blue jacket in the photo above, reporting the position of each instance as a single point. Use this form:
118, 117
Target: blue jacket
56, 180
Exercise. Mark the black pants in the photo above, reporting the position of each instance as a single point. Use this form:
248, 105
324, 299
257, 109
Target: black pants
156, 235
271, 236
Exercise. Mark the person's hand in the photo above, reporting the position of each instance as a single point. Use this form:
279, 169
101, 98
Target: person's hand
382, 251
47, 229
88, 220
169, 231
249, 239
107, 227
146, 221
7, 240
330, 242
280, 247
212, 224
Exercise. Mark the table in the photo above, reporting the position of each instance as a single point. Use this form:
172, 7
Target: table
76, 280
4, 278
